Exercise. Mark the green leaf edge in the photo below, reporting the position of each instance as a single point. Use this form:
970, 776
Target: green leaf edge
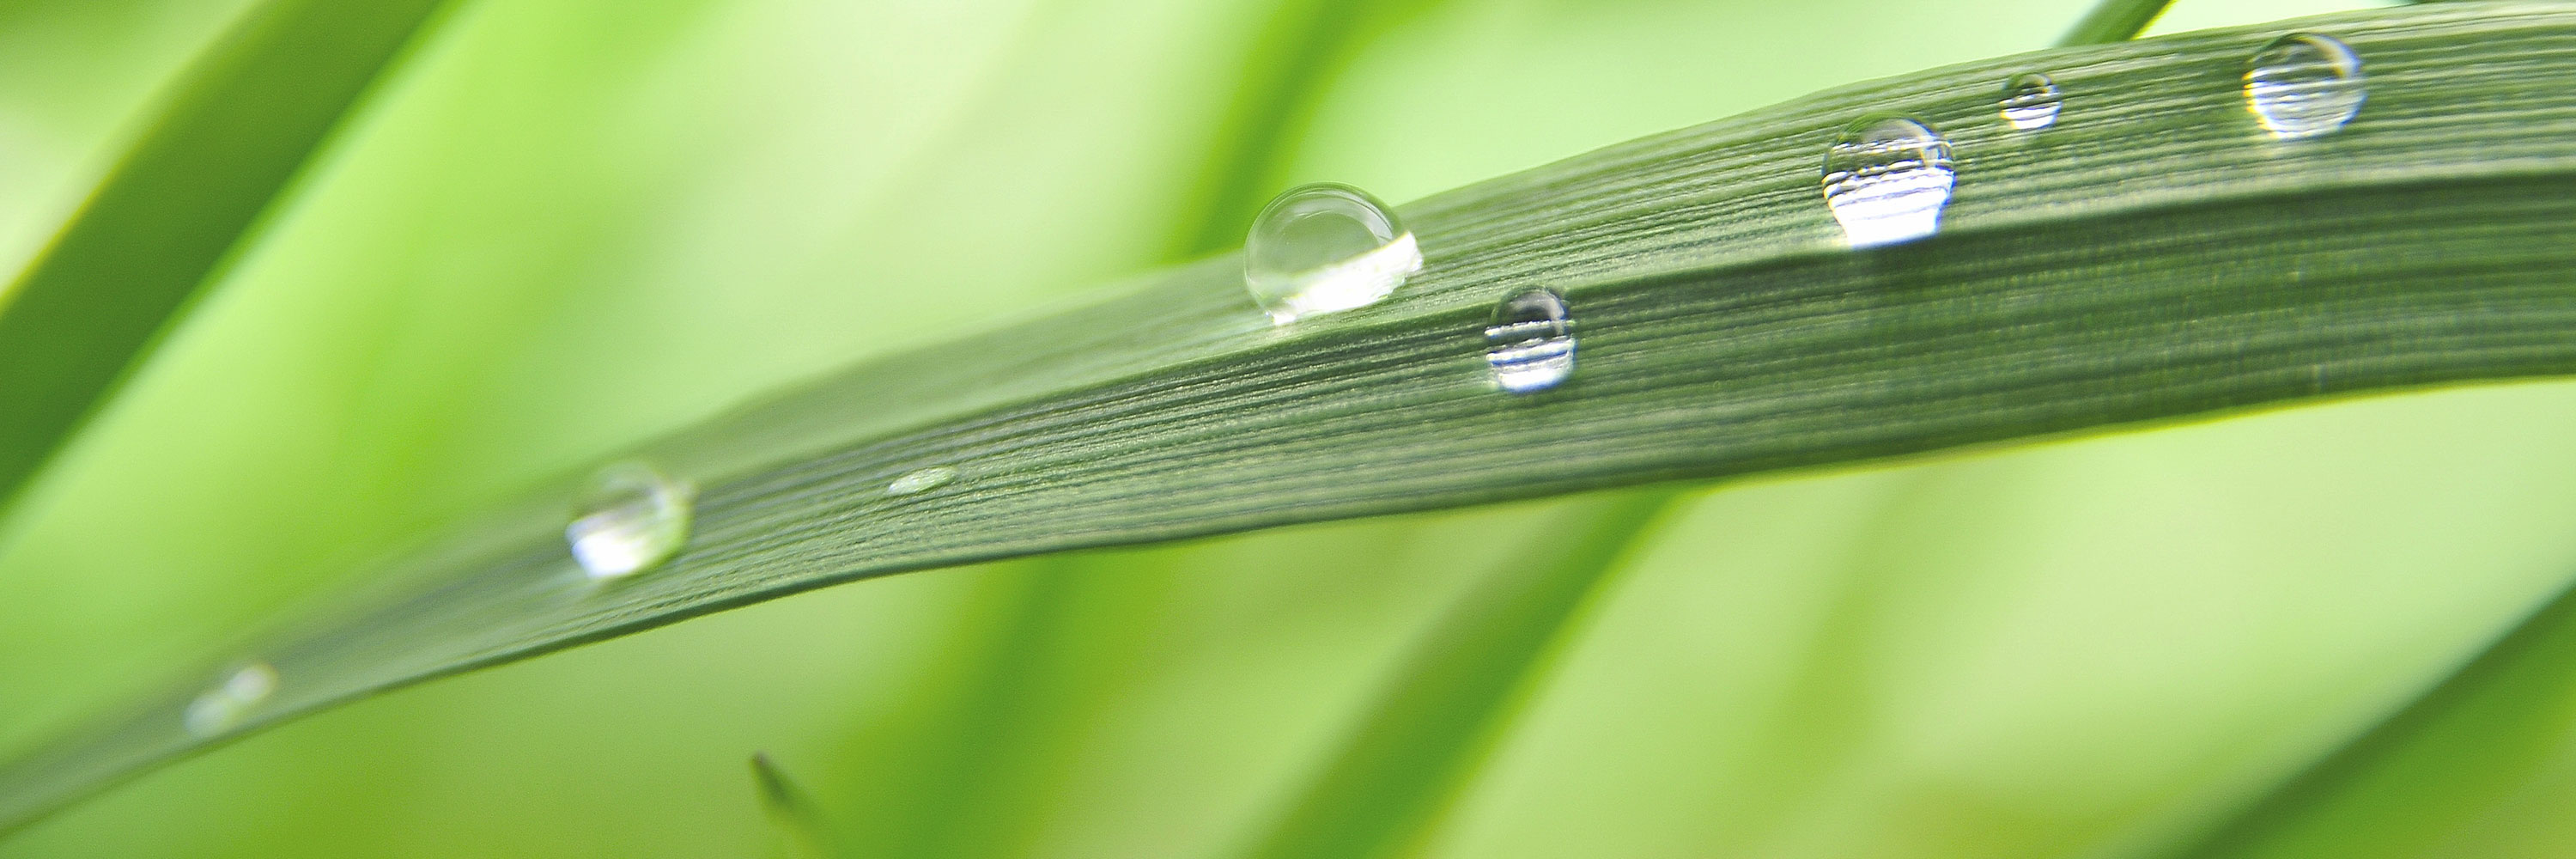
245, 119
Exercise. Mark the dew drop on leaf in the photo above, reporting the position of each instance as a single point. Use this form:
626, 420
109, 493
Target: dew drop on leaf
2304, 85
1887, 178
922, 480
630, 518
2031, 101
230, 700
1530, 344
1325, 247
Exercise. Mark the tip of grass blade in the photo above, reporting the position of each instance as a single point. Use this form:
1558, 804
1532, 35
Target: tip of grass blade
792, 809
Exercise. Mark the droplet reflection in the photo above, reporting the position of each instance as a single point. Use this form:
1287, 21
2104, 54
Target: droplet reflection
1323, 248
922, 480
630, 518
1886, 179
2031, 101
1530, 345
2305, 85
231, 700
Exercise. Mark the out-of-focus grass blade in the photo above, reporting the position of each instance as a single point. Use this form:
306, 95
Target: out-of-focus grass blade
2114, 21
1305, 41
2154, 255
793, 809
1002, 698
1441, 709
2410, 784
247, 115
1384, 788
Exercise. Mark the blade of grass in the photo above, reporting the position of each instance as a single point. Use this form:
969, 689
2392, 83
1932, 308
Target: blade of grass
2464, 743
2113, 21
252, 112
1440, 710
996, 743
1387, 786
793, 809
2152, 257
1305, 42
1005, 699
994, 697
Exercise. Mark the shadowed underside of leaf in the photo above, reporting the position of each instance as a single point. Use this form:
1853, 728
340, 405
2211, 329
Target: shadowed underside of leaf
2153, 256
252, 112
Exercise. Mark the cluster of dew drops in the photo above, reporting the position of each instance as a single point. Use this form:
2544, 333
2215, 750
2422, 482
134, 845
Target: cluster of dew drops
1887, 177
1322, 248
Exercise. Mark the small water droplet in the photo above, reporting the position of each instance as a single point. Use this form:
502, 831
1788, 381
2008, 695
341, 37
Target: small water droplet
2031, 101
631, 517
1530, 344
1886, 179
231, 700
922, 480
1325, 247
2304, 85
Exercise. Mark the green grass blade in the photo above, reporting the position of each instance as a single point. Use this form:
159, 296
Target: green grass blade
1001, 698
1440, 710
1304, 42
994, 697
2412, 781
2114, 21
2152, 257
252, 112
1388, 784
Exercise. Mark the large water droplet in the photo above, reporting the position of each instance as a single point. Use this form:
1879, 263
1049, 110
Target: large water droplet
922, 480
1324, 247
630, 518
1530, 344
231, 700
2304, 85
1886, 179
2031, 101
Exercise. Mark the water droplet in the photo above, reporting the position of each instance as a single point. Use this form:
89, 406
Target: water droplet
922, 480
1324, 247
1886, 179
2031, 101
630, 518
1530, 344
232, 699
2304, 85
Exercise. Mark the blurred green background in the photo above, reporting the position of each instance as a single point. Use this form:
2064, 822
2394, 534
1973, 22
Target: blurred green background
563, 226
